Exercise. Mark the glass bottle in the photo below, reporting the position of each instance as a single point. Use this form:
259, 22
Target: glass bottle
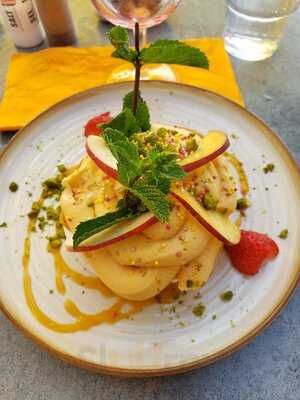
57, 20
23, 23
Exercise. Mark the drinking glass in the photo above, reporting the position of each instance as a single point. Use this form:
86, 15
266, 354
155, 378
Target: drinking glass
253, 28
147, 13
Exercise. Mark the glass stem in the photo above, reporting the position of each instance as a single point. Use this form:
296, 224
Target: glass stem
143, 37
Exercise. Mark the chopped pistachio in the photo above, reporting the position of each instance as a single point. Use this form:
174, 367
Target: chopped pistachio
199, 310
13, 187
51, 291
226, 296
42, 224
283, 234
210, 202
55, 242
268, 168
53, 213
35, 209
3, 225
60, 233
53, 183
52, 186
214, 317
61, 168
191, 145
243, 203
162, 133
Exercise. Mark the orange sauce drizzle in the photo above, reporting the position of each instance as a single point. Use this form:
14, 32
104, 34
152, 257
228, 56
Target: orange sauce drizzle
82, 321
62, 269
235, 162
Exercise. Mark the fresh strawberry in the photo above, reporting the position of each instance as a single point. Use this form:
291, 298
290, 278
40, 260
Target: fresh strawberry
91, 127
252, 252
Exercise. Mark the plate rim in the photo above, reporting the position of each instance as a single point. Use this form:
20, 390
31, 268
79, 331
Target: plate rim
219, 355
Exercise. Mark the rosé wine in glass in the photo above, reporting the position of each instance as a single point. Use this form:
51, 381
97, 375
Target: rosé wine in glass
147, 13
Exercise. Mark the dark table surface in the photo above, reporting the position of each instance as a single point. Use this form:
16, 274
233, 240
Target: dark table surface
269, 367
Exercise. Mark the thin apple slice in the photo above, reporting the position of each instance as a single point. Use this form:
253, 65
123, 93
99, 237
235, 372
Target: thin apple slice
215, 223
100, 153
115, 233
212, 145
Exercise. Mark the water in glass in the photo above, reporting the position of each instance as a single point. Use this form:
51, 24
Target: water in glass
253, 29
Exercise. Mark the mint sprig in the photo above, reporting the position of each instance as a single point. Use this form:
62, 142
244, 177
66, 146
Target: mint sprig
162, 51
147, 180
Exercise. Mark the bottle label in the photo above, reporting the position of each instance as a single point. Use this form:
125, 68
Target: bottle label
20, 14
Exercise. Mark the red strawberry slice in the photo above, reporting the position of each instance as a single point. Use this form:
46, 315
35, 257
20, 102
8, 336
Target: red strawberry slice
252, 252
91, 127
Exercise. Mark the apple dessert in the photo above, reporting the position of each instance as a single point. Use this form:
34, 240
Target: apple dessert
140, 256
150, 205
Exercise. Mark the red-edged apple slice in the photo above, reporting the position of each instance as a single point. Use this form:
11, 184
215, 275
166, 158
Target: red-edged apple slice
211, 146
91, 128
115, 233
215, 223
100, 153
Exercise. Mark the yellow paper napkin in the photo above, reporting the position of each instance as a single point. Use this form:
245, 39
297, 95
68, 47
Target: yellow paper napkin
36, 81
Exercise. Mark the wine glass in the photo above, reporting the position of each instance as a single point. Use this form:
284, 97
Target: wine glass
147, 13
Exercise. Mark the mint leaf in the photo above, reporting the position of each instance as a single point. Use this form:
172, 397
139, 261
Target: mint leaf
125, 53
158, 180
174, 52
125, 122
142, 114
90, 227
126, 153
118, 37
165, 162
161, 168
153, 198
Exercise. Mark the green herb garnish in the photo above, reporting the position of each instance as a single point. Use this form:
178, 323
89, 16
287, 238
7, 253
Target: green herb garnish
174, 52
88, 228
146, 176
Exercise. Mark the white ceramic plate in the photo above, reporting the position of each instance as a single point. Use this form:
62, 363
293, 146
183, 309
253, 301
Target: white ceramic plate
153, 343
